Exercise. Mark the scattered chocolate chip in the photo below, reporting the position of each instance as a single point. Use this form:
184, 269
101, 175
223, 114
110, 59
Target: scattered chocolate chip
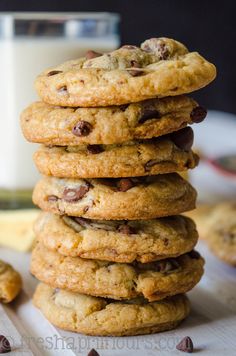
185, 345
133, 72
124, 184
71, 195
148, 112
54, 72
86, 208
92, 54
94, 149
126, 229
194, 254
5, 346
183, 138
82, 128
93, 352
129, 47
52, 198
198, 114
63, 89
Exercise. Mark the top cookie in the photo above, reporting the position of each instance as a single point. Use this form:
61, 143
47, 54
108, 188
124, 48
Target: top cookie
160, 67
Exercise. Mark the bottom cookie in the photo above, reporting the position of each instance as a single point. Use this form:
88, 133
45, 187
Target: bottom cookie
98, 316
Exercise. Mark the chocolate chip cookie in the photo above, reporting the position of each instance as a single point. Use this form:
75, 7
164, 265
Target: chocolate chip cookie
160, 67
117, 241
53, 125
104, 317
10, 282
149, 157
116, 199
155, 280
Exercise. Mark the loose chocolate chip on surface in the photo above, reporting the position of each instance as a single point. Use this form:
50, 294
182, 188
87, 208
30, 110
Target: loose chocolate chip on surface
135, 72
198, 114
94, 149
185, 345
124, 184
194, 254
5, 346
82, 128
183, 138
93, 353
126, 229
71, 195
52, 198
54, 72
92, 54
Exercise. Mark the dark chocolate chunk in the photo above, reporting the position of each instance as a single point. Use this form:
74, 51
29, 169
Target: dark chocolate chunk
148, 112
94, 149
185, 345
198, 114
126, 229
82, 128
72, 195
183, 138
135, 72
93, 352
5, 346
124, 184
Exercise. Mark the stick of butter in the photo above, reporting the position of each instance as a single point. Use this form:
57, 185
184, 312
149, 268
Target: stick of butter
16, 228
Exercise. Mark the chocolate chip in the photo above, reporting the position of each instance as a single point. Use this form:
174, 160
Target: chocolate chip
5, 346
93, 353
71, 195
52, 198
63, 89
94, 149
150, 164
83, 222
82, 128
54, 72
133, 72
166, 241
92, 54
157, 46
126, 229
123, 107
148, 112
185, 345
183, 138
198, 114
166, 266
124, 184
194, 254
163, 51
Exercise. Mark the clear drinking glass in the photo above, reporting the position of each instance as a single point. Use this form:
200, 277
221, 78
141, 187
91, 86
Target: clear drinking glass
29, 43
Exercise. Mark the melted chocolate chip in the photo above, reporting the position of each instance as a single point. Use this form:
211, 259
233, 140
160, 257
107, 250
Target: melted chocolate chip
148, 112
133, 72
166, 266
5, 346
72, 195
185, 345
163, 51
92, 54
126, 229
150, 164
124, 184
156, 46
183, 138
194, 254
52, 198
82, 128
54, 72
93, 352
94, 149
166, 241
83, 222
123, 107
198, 114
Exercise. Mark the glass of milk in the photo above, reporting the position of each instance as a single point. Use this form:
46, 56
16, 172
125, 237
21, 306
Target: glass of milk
29, 43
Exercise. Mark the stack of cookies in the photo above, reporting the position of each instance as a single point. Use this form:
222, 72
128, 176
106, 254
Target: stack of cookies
113, 254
